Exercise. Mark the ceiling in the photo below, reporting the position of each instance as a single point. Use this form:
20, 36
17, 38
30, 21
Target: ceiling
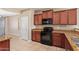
21, 9
7, 13
14, 11
35, 9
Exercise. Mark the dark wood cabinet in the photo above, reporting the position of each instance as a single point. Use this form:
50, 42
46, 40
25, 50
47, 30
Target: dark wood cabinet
38, 19
47, 14
5, 45
36, 36
63, 37
50, 13
63, 17
58, 40
72, 19
35, 19
56, 18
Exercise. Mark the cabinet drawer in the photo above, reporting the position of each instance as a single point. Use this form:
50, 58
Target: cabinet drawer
36, 36
56, 34
56, 38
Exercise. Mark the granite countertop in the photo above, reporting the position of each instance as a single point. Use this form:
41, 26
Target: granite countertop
5, 37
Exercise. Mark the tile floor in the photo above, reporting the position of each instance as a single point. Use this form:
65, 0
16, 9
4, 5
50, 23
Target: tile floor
17, 44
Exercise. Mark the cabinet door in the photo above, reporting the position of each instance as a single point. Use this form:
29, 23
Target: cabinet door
56, 18
36, 36
45, 15
63, 17
35, 19
49, 14
39, 19
57, 41
33, 35
5, 45
63, 40
72, 16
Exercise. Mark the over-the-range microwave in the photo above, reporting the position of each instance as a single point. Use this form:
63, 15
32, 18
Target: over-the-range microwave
47, 21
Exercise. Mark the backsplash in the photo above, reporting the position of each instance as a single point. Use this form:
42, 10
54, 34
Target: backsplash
58, 27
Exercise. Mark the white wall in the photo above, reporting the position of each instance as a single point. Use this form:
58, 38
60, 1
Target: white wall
12, 23
6, 25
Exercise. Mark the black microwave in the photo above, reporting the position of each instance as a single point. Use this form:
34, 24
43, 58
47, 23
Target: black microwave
47, 21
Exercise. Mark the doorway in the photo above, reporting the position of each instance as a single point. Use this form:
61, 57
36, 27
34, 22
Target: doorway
24, 29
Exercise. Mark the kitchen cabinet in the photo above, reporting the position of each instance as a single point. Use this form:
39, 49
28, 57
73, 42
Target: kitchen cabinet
63, 37
63, 18
35, 19
57, 39
56, 18
5, 45
36, 36
38, 19
60, 40
47, 14
72, 16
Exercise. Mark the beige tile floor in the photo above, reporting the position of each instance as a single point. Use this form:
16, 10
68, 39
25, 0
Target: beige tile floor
17, 44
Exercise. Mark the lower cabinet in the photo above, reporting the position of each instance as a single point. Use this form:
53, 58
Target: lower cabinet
5, 45
36, 36
58, 40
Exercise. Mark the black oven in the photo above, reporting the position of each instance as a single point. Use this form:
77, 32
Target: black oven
47, 21
46, 36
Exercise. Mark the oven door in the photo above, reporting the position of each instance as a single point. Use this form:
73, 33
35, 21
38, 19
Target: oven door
46, 38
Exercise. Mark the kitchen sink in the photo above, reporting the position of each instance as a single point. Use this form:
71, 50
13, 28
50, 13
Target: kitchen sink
76, 40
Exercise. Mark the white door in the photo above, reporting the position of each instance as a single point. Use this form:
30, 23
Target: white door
24, 27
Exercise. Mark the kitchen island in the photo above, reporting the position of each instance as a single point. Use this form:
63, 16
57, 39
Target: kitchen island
5, 43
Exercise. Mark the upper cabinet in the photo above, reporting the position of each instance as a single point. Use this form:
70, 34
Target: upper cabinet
38, 19
56, 18
72, 16
35, 19
47, 14
65, 17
